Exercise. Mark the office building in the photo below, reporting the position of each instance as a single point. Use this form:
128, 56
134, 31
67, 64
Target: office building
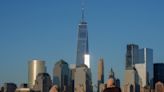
34, 68
145, 67
83, 56
83, 81
100, 73
43, 82
132, 56
159, 72
61, 76
131, 79
72, 70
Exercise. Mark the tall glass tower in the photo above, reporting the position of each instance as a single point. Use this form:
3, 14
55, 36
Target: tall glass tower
82, 43
132, 56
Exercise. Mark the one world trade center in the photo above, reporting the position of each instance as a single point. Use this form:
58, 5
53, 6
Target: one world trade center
82, 44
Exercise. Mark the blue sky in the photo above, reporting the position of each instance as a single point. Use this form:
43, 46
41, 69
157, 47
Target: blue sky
47, 30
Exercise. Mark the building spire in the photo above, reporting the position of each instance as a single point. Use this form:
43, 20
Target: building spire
82, 12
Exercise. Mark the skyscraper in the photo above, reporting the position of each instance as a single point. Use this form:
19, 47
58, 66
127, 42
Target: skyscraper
132, 56
83, 81
82, 43
61, 76
131, 81
34, 68
159, 72
100, 73
145, 67
43, 82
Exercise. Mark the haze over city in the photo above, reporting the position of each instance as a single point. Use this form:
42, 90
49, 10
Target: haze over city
47, 30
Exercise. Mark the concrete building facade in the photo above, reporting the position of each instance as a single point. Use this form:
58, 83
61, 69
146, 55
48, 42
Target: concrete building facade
83, 81
43, 82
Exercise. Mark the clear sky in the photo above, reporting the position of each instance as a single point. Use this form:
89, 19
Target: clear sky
47, 30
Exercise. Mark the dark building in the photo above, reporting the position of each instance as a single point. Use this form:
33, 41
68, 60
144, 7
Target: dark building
43, 82
158, 72
118, 83
23, 85
72, 75
132, 56
9, 87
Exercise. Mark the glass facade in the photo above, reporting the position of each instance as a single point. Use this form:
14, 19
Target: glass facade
131, 56
145, 66
159, 72
82, 44
61, 76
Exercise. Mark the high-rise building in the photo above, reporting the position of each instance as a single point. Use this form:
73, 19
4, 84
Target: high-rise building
61, 76
159, 72
83, 81
34, 68
132, 56
43, 82
145, 67
83, 56
131, 81
100, 73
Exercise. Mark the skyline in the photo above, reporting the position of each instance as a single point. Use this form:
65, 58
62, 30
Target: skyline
44, 30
